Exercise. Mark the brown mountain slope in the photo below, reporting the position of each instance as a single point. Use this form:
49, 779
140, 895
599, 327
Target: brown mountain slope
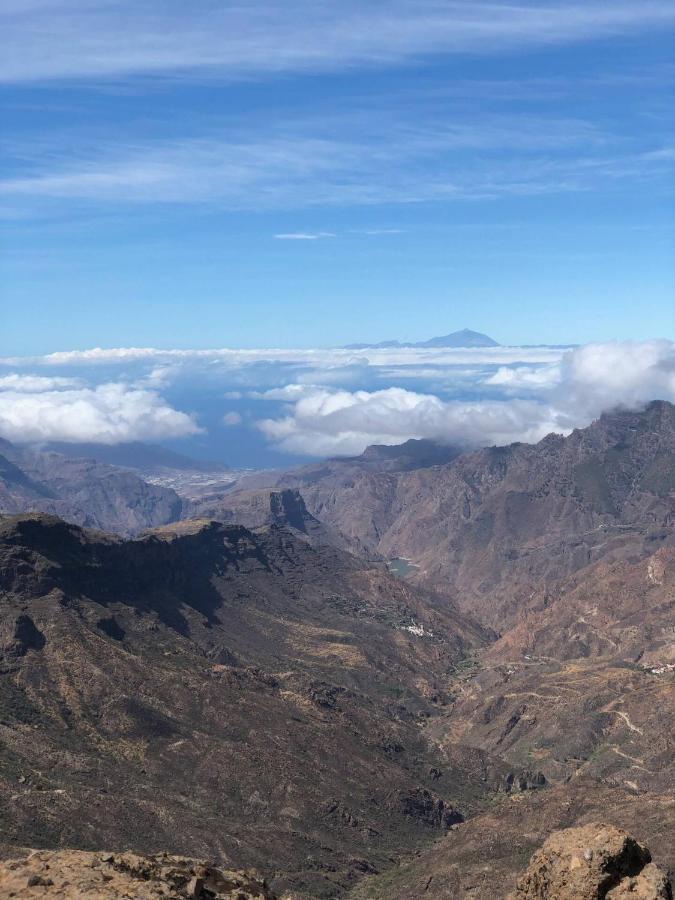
492, 526
580, 695
586, 683
483, 858
265, 699
226, 694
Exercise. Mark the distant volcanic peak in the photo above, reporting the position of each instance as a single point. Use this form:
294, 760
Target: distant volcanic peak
465, 338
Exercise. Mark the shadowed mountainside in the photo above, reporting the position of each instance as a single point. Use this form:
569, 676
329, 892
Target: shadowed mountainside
146, 458
170, 693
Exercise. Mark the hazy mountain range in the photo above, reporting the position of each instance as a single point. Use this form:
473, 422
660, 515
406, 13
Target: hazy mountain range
170, 692
151, 459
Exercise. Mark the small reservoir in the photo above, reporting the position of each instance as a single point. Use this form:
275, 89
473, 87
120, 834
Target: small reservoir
401, 567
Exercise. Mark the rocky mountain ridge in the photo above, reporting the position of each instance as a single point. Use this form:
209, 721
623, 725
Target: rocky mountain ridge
168, 693
491, 526
83, 491
580, 863
183, 682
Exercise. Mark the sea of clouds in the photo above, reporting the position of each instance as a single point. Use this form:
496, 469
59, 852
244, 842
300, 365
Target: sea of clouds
264, 407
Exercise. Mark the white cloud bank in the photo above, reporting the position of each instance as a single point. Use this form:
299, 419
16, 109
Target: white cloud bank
35, 384
587, 381
107, 414
324, 357
325, 422
331, 401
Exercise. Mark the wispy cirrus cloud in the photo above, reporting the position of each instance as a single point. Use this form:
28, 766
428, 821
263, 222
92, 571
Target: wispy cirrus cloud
311, 165
75, 39
304, 235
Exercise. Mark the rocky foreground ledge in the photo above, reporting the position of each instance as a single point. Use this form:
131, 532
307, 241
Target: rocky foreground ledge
594, 861
76, 874
587, 863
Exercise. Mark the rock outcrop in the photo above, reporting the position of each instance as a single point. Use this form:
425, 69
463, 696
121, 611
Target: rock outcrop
75, 873
265, 508
594, 861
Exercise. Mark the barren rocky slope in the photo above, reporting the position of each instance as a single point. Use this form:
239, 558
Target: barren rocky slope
490, 527
175, 693
586, 683
483, 858
264, 507
583, 863
264, 698
83, 491
580, 697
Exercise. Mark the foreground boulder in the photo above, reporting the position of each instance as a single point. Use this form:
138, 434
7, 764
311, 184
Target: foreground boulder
591, 862
75, 873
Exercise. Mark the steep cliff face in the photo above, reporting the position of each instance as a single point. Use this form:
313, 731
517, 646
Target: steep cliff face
284, 508
499, 523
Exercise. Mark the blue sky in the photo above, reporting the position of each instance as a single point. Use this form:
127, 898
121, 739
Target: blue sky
311, 174
300, 175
